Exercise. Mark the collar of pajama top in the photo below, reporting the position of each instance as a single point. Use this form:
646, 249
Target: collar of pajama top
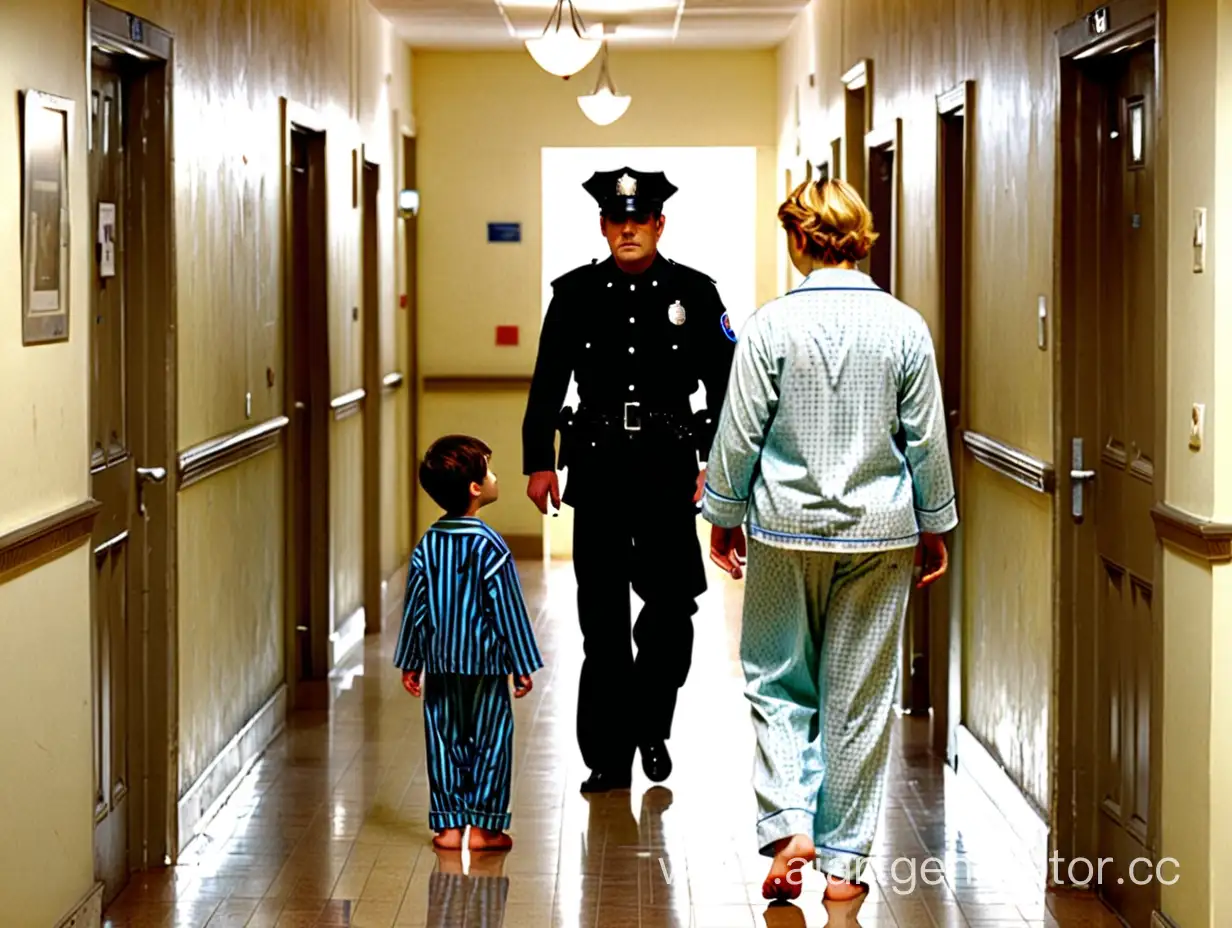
832, 435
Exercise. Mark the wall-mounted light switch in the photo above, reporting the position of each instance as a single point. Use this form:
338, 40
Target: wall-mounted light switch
1199, 240
247, 405
1041, 322
1197, 426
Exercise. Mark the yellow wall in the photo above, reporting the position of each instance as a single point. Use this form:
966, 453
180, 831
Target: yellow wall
481, 121
46, 803
233, 64
917, 53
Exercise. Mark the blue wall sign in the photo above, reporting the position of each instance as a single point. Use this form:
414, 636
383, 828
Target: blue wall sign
504, 231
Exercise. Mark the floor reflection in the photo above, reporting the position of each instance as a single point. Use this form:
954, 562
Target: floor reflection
330, 827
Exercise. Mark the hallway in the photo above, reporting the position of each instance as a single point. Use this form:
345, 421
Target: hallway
329, 827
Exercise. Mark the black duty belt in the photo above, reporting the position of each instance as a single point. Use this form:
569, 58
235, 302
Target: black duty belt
631, 417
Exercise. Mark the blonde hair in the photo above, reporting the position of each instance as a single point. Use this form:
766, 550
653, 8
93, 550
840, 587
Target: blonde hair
832, 220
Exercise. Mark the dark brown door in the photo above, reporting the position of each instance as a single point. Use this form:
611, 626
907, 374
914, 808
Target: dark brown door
373, 607
1111, 378
881, 205
307, 401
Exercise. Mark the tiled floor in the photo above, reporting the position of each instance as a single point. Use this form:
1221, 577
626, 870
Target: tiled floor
329, 828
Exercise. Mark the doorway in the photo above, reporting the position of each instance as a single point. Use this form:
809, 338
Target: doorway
1112, 326
132, 437
857, 122
410, 227
954, 157
881, 178
373, 581
306, 399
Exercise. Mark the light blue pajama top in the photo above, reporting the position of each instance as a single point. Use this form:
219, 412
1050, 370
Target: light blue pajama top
832, 435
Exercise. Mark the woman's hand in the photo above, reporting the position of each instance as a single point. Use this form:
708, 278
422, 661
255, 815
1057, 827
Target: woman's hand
728, 550
933, 559
412, 680
522, 685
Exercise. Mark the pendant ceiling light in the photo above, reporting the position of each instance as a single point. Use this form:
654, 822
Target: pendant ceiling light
605, 105
563, 49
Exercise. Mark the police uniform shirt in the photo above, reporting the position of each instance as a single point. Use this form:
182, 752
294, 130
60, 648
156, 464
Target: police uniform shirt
646, 339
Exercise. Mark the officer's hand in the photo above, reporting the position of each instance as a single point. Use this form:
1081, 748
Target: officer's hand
412, 680
728, 550
522, 685
542, 485
701, 486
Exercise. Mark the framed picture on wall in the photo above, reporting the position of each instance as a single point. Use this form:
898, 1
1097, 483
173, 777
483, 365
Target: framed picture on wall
45, 145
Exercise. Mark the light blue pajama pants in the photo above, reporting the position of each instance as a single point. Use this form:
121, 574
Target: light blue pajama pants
820, 645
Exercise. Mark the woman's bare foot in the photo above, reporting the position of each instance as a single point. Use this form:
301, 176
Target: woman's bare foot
838, 890
783, 882
448, 840
483, 840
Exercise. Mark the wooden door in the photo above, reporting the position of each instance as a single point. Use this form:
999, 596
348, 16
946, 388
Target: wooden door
945, 597
113, 479
307, 401
1110, 373
372, 582
410, 180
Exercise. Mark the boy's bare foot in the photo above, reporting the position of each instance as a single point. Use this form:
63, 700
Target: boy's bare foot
483, 840
784, 882
448, 840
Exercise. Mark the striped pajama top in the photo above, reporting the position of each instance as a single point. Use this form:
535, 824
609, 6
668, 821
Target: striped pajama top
464, 611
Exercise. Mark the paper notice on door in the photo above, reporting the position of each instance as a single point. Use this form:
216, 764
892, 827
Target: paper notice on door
106, 239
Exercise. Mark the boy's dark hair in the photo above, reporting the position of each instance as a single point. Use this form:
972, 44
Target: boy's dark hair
449, 468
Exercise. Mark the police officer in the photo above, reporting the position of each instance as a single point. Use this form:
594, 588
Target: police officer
637, 332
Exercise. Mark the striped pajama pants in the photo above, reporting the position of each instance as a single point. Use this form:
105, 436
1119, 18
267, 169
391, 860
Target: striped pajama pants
820, 642
468, 726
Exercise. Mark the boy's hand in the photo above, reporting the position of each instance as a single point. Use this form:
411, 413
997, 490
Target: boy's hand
728, 550
932, 559
413, 681
700, 490
522, 685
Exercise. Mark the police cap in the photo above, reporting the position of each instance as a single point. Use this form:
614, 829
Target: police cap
628, 192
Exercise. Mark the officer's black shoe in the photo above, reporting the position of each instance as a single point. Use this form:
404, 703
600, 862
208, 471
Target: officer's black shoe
656, 761
602, 782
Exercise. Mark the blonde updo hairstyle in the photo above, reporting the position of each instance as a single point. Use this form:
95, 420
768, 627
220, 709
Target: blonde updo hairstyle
830, 220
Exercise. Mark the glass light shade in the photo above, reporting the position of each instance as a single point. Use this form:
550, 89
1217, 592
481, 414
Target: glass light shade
563, 52
603, 107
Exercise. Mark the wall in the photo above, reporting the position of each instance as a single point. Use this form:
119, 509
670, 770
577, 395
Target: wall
919, 51
46, 802
234, 61
481, 121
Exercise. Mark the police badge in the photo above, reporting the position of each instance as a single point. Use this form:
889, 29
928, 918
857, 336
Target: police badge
675, 313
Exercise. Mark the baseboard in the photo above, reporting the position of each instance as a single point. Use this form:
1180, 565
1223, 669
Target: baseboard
981, 769
1160, 920
348, 635
88, 913
525, 547
201, 800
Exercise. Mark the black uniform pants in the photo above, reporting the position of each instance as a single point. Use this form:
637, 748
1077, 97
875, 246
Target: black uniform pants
626, 700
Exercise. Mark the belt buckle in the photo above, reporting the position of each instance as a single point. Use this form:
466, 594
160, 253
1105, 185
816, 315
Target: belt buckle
628, 427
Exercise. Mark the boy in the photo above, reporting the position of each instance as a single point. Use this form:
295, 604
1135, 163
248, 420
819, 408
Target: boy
465, 625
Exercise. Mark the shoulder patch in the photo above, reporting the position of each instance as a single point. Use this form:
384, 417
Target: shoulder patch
725, 322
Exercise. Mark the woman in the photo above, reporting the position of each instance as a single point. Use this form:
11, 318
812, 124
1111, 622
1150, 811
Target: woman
832, 446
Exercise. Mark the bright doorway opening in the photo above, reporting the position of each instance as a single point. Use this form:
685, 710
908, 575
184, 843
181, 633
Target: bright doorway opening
711, 226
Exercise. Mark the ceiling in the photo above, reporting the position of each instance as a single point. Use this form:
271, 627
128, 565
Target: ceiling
475, 24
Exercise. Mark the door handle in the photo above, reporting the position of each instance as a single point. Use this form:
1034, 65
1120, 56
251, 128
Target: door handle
147, 475
1079, 477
